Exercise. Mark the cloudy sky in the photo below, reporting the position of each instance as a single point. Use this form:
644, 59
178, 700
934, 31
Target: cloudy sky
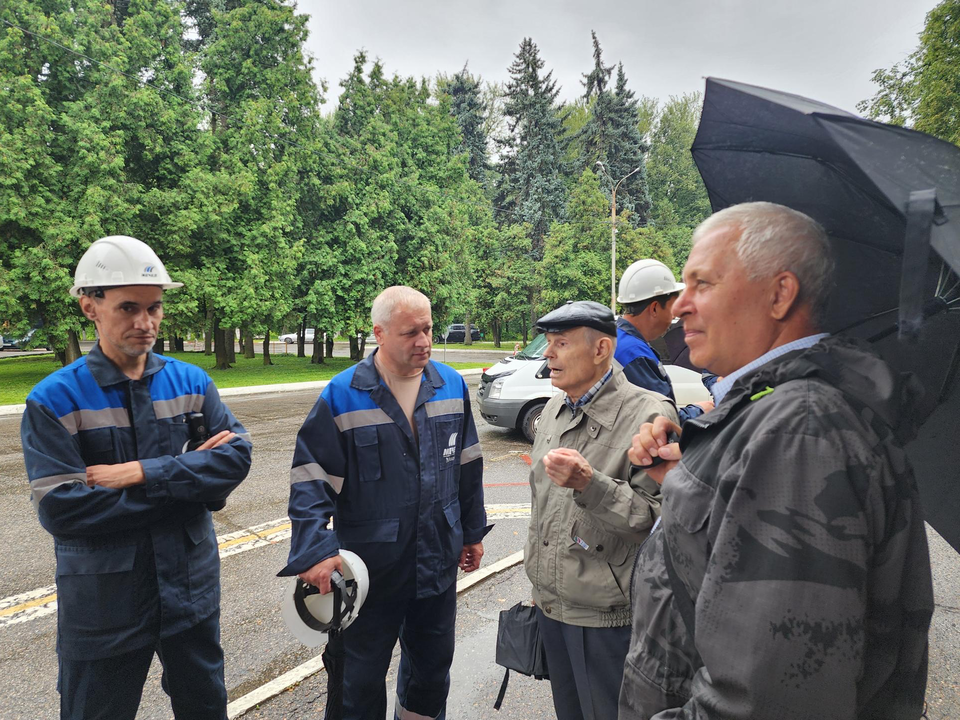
824, 49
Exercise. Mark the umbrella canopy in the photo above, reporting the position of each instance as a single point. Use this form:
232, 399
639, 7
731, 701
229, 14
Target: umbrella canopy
889, 198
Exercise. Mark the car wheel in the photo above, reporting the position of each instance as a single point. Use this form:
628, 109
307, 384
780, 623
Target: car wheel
531, 420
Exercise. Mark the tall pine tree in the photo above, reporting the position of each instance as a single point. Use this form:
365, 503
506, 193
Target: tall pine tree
611, 136
531, 188
466, 105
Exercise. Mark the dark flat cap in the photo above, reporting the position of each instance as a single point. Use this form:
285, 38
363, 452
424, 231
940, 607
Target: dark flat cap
582, 313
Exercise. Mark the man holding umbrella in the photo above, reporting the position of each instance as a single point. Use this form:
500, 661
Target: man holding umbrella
789, 576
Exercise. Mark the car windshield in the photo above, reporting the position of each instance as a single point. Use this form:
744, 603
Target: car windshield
534, 351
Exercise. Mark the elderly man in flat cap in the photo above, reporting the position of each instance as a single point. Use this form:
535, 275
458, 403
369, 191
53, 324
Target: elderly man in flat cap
591, 510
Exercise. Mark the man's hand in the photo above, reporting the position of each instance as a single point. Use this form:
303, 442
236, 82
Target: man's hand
470, 556
652, 442
567, 468
224, 436
115, 477
707, 405
319, 574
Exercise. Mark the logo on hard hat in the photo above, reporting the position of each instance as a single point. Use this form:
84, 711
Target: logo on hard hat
148, 271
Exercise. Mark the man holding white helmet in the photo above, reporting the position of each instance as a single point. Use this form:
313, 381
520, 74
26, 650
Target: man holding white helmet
647, 293
390, 452
127, 452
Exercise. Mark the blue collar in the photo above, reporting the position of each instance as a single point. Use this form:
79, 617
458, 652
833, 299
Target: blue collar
366, 377
722, 387
106, 373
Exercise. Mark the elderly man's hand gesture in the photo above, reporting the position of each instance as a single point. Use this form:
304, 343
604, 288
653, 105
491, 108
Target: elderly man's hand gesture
653, 441
567, 468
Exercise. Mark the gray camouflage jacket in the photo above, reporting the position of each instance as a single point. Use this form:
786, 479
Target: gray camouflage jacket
795, 532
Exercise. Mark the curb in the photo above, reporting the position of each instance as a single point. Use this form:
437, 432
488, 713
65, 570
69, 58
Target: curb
248, 390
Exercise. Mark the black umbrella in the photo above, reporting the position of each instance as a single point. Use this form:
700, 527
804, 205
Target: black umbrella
890, 200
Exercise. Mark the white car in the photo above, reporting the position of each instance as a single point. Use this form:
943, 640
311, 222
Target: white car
292, 337
513, 392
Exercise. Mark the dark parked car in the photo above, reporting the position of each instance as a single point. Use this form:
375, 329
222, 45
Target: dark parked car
9, 342
457, 333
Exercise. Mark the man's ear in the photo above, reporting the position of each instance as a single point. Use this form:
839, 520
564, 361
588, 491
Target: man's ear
604, 349
88, 306
785, 291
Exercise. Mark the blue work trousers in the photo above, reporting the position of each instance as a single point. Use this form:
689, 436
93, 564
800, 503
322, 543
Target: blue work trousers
110, 689
426, 630
585, 666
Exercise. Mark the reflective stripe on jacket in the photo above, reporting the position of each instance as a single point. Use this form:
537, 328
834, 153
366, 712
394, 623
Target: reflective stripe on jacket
140, 562
406, 508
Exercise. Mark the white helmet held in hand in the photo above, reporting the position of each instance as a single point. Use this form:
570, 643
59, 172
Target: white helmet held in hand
646, 279
120, 260
310, 615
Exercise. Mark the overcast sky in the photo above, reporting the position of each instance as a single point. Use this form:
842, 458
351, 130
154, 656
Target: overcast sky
823, 49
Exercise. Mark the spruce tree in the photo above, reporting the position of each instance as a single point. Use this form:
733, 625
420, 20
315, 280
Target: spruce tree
531, 188
466, 105
611, 136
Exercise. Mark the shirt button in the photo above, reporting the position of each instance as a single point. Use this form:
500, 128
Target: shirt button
546, 542
548, 610
599, 548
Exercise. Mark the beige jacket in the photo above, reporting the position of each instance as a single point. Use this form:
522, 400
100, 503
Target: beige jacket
581, 545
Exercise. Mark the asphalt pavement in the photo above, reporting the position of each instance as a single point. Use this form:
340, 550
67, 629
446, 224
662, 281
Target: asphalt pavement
254, 543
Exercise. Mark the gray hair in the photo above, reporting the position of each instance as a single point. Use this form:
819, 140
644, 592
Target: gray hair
394, 297
775, 238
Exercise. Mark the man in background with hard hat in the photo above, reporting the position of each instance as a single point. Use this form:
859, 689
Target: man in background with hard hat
591, 509
105, 442
647, 293
390, 452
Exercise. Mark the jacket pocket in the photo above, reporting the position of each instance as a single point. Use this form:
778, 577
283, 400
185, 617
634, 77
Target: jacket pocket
368, 453
99, 446
178, 433
596, 573
448, 443
95, 587
688, 505
203, 556
453, 537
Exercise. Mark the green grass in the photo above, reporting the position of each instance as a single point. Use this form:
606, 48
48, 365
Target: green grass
18, 375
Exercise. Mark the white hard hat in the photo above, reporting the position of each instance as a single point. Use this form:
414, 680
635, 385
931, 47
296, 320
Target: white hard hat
309, 615
120, 260
646, 279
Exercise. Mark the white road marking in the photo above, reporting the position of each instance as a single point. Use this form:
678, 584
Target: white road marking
43, 601
311, 667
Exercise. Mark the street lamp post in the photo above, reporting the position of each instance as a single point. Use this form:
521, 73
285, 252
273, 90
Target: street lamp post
613, 235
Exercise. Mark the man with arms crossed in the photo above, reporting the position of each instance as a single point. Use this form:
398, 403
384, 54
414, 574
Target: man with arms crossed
789, 576
105, 445
390, 452
590, 510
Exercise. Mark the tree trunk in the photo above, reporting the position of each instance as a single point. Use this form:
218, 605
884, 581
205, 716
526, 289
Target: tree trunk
496, 332
208, 333
158, 345
220, 345
328, 339
363, 347
467, 335
354, 349
230, 334
178, 344
247, 335
316, 358
301, 338
266, 349
72, 351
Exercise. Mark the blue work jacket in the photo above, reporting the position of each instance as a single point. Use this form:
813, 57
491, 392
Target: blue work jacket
405, 507
139, 563
643, 367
